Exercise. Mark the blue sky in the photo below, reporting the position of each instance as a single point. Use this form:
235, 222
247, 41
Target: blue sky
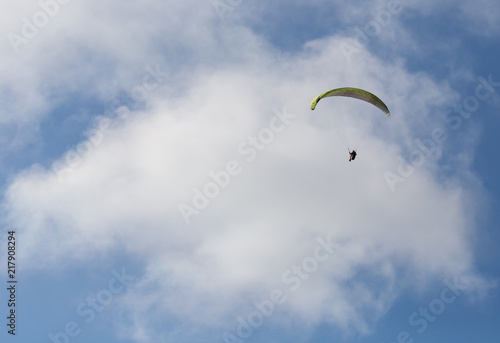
167, 181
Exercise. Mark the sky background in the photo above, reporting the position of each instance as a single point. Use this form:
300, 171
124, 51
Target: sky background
167, 181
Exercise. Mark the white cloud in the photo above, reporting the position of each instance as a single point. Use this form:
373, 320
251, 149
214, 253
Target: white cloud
125, 193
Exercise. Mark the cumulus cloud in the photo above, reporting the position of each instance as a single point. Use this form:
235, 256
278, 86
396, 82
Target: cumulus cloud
290, 186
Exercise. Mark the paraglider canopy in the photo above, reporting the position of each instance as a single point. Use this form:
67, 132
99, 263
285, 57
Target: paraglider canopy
353, 93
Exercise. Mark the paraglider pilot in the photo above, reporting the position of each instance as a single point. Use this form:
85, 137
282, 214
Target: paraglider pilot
352, 155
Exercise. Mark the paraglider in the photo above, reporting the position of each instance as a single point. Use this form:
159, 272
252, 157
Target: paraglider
352, 155
353, 93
